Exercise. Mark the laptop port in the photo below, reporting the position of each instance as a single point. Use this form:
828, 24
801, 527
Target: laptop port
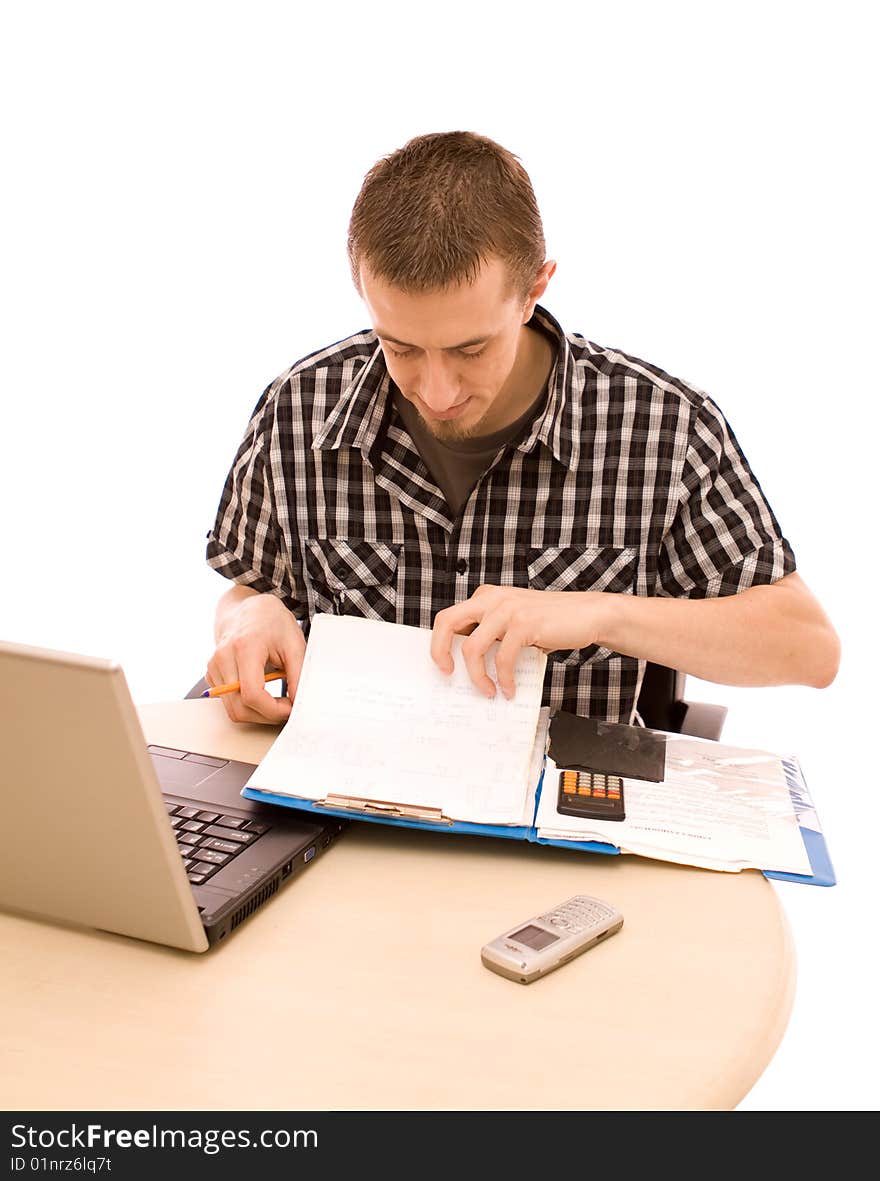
309, 854
286, 870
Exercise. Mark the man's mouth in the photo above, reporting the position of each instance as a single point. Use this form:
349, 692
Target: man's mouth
452, 412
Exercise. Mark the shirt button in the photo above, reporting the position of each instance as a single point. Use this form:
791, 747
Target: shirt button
460, 566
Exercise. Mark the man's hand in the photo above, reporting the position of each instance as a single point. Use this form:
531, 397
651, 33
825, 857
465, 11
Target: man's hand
254, 631
517, 618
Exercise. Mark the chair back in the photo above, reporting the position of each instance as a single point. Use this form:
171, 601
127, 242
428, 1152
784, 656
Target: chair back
661, 703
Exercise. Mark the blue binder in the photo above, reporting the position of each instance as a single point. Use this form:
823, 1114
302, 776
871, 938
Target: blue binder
376, 813
814, 841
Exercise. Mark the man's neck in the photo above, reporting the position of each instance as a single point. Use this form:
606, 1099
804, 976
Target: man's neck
529, 375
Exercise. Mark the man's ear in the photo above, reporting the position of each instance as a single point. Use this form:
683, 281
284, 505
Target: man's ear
543, 277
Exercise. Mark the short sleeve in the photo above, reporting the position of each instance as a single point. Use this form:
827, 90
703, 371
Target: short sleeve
245, 544
724, 537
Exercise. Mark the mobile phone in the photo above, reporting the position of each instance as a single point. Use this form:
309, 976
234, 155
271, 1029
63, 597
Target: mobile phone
534, 948
592, 795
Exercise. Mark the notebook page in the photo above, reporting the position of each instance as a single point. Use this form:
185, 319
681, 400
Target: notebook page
374, 718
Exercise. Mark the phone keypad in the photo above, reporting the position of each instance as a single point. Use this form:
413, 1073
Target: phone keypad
578, 914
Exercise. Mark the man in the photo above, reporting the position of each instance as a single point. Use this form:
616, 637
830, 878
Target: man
466, 465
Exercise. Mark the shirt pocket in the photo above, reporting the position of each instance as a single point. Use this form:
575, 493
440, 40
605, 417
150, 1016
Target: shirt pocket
353, 577
582, 568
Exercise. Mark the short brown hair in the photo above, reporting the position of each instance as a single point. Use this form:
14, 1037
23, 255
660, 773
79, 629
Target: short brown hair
428, 215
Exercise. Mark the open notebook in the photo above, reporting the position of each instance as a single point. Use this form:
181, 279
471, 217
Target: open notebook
378, 732
376, 726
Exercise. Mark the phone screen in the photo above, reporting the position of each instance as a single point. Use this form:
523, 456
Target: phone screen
534, 937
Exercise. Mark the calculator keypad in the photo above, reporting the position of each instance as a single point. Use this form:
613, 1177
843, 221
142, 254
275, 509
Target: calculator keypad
590, 794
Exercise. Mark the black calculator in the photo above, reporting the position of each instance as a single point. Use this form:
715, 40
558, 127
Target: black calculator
592, 795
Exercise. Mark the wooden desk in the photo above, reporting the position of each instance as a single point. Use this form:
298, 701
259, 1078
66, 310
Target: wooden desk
359, 986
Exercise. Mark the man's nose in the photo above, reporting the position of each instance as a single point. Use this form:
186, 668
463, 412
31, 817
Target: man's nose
438, 389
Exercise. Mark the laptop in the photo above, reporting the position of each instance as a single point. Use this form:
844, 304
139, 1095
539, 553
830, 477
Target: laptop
105, 831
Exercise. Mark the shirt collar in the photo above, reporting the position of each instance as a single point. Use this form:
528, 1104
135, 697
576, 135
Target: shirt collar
553, 427
356, 419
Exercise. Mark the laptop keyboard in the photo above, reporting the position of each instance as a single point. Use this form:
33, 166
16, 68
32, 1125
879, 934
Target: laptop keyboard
210, 840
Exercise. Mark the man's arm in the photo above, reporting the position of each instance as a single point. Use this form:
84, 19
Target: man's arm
775, 634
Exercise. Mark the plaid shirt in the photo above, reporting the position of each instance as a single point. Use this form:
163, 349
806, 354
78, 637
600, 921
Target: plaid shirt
628, 481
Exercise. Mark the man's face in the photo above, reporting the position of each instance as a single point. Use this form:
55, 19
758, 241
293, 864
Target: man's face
460, 354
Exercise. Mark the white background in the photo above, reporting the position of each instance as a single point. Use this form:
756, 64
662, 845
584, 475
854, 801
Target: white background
177, 184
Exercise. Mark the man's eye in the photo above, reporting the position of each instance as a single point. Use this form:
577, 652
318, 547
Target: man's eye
407, 352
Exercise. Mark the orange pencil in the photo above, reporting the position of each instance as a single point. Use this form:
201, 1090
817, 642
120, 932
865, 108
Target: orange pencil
234, 686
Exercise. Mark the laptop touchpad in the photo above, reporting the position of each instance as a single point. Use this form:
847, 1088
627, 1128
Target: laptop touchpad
174, 772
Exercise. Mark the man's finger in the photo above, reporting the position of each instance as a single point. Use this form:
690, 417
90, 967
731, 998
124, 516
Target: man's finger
474, 650
293, 662
252, 677
506, 657
222, 670
448, 623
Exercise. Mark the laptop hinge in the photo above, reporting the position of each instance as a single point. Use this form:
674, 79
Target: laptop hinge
380, 808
